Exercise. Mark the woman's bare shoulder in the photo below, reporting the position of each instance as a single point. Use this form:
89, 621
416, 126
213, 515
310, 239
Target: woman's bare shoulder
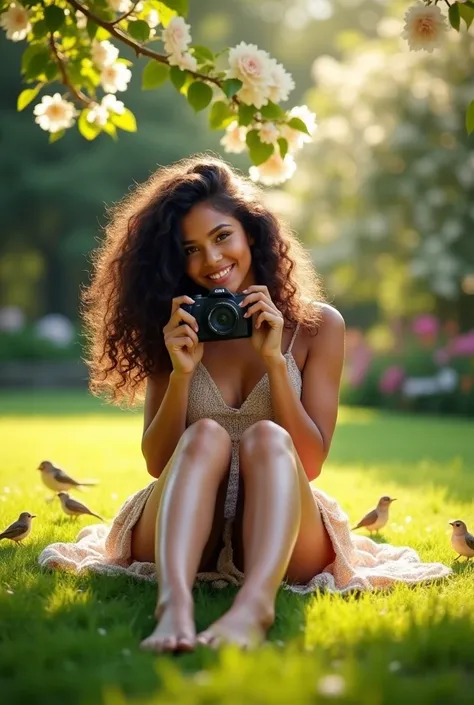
330, 321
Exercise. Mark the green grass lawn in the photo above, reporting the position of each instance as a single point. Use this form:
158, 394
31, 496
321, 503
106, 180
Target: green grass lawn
76, 637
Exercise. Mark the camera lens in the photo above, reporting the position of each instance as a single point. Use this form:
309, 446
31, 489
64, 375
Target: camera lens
222, 318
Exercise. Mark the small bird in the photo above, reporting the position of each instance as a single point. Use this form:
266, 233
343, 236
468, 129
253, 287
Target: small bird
74, 508
20, 528
378, 517
56, 479
461, 540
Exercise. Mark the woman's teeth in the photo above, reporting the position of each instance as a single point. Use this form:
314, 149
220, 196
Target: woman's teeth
220, 275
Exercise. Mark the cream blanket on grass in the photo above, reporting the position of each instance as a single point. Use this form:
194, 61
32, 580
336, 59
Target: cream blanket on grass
360, 563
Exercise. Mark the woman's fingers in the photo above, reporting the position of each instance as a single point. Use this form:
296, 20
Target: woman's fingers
176, 302
178, 316
182, 331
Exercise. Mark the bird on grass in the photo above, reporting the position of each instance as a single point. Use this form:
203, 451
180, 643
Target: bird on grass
378, 517
57, 480
461, 540
20, 528
74, 508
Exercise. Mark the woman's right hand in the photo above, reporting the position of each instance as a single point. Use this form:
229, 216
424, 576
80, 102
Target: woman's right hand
181, 339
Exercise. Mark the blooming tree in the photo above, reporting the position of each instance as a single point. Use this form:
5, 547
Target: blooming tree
75, 43
426, 27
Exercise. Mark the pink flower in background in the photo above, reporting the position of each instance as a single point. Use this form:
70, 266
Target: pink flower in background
391, 379
463, 345
426, 326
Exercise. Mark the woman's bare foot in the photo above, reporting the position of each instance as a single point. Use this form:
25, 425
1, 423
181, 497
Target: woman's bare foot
245, 625
175, 630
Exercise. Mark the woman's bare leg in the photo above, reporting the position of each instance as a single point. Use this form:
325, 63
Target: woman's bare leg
184, 522
282, 530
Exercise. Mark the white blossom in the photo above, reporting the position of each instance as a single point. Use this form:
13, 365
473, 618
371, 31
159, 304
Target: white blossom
115, 77
176, 36
113, 105
185, 61
269, 133
424, 27
98, 115
120, 5
152, 19
234, 138
104, 53
274, 171
281, 82
332, 686
81, 20
253, 67
16, 22
295, 138
54, 113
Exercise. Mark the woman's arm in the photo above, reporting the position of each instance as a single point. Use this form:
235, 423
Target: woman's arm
166, 407
311, 420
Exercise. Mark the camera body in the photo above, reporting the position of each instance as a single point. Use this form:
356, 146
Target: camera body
219, 315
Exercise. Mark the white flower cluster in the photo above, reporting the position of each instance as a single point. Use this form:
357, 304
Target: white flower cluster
276, 169
54, 113
114, 75
263, 79
177, 38
16, 22
425, 26
99, 114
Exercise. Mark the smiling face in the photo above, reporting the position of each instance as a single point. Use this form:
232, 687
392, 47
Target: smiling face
217, 249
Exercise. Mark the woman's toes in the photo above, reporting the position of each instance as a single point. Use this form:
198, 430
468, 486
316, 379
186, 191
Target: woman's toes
203, 638
185, 644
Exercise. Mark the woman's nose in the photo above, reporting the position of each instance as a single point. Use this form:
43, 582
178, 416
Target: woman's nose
213, 255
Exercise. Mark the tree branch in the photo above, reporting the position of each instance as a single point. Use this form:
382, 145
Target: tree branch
82, 97
125, 14
137, 48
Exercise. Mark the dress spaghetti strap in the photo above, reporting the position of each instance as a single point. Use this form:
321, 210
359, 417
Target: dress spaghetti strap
293, 338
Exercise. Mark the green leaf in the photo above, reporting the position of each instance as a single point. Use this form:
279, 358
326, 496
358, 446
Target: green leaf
246, 114
126, 121
220, 115
470, 118
139, 30
259, 151
55, 136
166, 15
54, 17
154, 75
202, 54
199, 95
467, 13
179, 6
28, 54
37, 64
454, 16
231, 86
271, 111
177, 77
283, 144
51, 70
297, 124
110, 130
87, 129
27, 96
40, 29
92, 29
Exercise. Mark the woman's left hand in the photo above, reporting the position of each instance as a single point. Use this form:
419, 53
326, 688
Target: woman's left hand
267, 322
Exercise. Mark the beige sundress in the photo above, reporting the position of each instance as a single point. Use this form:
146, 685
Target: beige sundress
359, 564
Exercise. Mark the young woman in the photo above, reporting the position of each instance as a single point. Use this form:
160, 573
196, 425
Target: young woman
235, 430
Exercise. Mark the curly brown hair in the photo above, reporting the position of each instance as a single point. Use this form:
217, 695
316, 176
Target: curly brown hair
140, 267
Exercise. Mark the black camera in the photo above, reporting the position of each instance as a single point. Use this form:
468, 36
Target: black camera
219, 315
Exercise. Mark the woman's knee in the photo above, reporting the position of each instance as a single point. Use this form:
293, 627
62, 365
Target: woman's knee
206, 438
265, 437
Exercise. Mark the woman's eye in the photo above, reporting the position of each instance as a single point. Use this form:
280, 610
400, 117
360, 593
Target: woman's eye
223, 236
189, 251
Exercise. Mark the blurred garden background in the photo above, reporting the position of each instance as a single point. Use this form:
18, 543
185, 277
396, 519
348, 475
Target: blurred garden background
383, 197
